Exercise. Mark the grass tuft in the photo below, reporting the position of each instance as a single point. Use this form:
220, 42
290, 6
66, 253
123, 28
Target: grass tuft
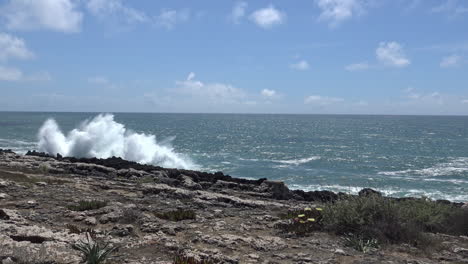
93, 252
85, 205
361, 244
177, 215
190, 260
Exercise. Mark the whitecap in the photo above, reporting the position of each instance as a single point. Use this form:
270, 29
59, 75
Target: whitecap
102, 137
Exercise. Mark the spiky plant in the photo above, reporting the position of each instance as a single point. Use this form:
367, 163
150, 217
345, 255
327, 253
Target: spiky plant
93, 252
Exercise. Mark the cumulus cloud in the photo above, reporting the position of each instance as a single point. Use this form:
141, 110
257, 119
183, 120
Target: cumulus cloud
322, 100
392, 54
56, 15
268, 17
358, 66
13, 47
300, 66
268, 93
238, 12
168, 18
215, 92
451, 61
336, 11
105, 9
10, 74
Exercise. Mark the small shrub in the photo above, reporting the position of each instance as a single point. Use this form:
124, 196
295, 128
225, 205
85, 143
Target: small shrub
177, 215
361, 244
392, 221
44, 168
130, 216
301, 222
74, 229
84, 205
93, 252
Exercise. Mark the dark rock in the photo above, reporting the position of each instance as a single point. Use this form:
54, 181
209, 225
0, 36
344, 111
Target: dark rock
319, 196
32, 239
278, 190
366, 192
3, 215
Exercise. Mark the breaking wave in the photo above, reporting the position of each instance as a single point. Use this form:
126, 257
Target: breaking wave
102, 137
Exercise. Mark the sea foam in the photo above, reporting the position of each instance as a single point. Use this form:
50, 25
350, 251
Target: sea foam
103, 137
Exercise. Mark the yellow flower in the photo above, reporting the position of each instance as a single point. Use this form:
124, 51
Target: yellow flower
308, 209
301, 215
311, 219
319, 209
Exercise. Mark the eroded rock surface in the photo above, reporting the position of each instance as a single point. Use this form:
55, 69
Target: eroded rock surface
234, 221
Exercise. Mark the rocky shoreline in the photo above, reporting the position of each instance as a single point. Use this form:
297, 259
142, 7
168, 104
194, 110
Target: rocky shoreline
233, 219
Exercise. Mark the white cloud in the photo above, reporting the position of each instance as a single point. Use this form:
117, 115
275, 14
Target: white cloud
10, 74
41, 76
14, 75
322, 100
465, 101
358, 66
392, 54
98, 80
451, 7
238, 12
337, 11
451, 61
301, 65
57, 15
268, 17
13, 47
421, 97
215, 92
169, 18
268, 93
105, 9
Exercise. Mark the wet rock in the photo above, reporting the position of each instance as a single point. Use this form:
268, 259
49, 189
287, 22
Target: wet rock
319, 196
3, 196
278, 189
368, 192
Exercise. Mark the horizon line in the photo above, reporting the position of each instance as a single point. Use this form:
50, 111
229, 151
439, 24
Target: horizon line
233, 113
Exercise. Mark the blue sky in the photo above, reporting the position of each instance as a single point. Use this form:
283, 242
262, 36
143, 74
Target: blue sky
277, 56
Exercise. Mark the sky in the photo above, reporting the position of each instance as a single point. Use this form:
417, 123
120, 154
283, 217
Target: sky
222, 56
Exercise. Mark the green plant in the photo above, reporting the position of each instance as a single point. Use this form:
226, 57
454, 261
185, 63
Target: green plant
84, 205
190, 260
93, 252
44, 168
177, 215
361, 244
301, 221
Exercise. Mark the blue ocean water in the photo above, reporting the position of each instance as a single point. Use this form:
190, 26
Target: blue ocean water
398, 155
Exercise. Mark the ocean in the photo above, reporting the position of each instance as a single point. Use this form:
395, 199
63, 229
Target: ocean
397, 155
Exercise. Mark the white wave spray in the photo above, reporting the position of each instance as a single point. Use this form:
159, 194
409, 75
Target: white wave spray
102, 137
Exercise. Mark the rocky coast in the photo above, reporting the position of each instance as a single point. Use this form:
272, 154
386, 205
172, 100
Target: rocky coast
155, 215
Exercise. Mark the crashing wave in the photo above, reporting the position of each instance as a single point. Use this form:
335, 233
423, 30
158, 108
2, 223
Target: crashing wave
102, 137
